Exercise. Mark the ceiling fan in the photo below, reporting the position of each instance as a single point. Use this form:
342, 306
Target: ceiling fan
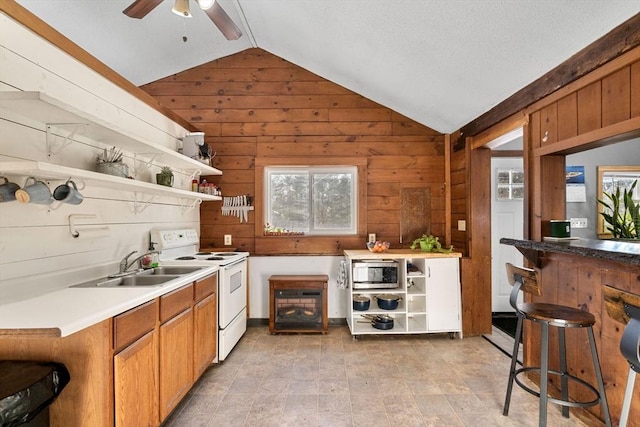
140, 8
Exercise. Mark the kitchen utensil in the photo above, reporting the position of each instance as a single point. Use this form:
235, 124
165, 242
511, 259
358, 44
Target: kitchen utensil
37, 193
384, 324
68, 193
380, 321
361, 302
387, 301
8, 190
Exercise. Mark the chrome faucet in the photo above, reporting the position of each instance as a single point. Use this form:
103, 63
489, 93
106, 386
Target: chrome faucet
125, 264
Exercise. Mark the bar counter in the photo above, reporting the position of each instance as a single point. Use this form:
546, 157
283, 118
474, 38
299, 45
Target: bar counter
572, 273
611, 250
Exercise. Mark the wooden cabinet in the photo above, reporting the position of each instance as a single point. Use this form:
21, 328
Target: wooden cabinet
135, 383
205, 324
429, 291
135, 367
176, 345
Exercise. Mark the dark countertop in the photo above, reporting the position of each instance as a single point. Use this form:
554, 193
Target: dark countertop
626, 253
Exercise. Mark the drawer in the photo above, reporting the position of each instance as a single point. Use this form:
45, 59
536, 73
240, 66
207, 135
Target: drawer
132, 324
175, 302
205, 287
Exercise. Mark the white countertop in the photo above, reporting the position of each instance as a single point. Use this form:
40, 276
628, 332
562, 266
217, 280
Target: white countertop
397, 253
69, 310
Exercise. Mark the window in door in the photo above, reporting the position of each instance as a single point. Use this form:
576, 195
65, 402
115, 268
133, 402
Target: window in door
509, 184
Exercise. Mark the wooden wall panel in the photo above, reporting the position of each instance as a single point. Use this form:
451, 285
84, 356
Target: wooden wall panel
254, 105
589, 108
635, 89
616, 97
549, 124
567, 117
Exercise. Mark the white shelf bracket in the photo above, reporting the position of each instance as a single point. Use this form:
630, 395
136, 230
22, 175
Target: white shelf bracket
53, 144
194, 174
142, 163
189, 207
140, 205
145, 163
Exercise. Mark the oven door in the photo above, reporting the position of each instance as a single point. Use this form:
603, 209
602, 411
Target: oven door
232, 291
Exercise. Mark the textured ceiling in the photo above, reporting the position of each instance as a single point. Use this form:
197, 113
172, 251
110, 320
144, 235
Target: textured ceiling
441, 63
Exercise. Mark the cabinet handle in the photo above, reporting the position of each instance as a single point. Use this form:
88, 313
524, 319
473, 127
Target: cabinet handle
429, 271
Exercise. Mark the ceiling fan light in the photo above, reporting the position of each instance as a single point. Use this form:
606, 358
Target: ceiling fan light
205, 4
181, 7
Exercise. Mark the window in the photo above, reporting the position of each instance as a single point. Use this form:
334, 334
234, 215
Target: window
315, 200
510, 184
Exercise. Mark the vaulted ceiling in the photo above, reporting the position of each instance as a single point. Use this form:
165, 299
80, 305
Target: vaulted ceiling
441, 63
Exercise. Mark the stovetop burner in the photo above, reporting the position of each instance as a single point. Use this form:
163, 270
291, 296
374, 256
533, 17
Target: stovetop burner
182, 246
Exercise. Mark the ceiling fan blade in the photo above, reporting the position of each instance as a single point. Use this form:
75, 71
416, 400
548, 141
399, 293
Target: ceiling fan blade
139, 8
224, 23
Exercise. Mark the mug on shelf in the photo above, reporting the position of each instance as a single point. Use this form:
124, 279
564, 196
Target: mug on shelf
8, 190
38, 193
68, 193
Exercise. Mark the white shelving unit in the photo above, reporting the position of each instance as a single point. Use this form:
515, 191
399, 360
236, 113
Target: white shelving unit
45, 109
431, 296
46, 171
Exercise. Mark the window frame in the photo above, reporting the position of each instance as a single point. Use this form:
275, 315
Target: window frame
310, 171
361, 197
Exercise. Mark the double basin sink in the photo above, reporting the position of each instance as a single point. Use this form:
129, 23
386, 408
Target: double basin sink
151, 277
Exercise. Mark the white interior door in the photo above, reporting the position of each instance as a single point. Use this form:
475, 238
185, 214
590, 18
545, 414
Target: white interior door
507, 220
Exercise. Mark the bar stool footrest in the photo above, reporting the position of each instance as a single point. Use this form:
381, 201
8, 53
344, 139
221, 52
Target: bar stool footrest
552, 399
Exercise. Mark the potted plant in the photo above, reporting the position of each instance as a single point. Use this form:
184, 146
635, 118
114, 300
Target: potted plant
429, 243
110, 162
621, 214
165, 177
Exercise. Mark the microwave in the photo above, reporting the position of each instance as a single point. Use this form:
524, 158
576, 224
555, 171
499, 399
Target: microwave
375, 274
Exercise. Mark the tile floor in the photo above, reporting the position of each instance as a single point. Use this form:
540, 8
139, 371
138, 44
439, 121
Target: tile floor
332, 380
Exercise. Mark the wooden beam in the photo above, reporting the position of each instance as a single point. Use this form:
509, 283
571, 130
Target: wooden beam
618, 41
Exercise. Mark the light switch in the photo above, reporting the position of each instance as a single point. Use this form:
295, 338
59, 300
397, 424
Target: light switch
462, 225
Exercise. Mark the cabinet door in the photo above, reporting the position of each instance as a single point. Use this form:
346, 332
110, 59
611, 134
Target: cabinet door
205, 322
176, 361
136, 387
443, 295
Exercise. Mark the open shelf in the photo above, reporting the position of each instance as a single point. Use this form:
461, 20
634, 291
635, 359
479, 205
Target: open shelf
45, 109
46, 171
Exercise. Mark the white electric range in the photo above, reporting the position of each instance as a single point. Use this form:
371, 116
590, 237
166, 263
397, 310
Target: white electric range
180, 247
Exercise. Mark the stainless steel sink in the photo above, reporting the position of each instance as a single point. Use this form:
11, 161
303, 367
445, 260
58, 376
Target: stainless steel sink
169, 269
128, 281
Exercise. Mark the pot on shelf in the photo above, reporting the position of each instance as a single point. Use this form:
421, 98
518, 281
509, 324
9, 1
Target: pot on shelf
388, 301
361, 303
380, 321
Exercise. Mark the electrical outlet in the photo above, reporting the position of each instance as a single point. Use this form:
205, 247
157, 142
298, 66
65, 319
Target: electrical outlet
462, 225
227, 239
579, 223
372, 237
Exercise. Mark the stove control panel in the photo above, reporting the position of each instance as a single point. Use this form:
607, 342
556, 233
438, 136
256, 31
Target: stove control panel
167, 239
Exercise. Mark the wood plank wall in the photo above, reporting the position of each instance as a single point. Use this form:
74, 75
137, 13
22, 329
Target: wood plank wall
255, 105
601, 108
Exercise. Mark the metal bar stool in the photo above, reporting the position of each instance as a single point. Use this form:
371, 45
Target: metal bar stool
561, 317
625, 308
